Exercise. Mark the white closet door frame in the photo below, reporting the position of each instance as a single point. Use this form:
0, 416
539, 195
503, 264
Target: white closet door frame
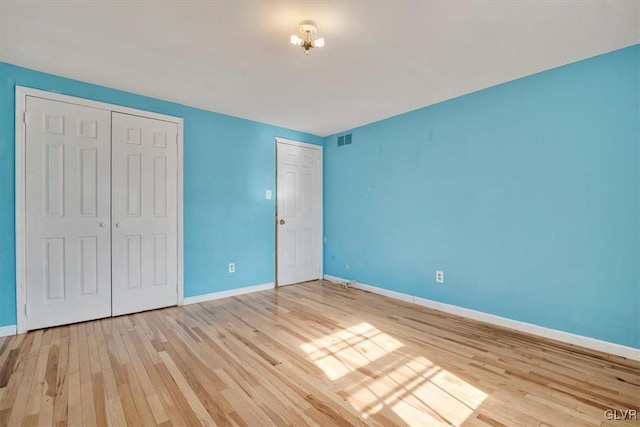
20, 168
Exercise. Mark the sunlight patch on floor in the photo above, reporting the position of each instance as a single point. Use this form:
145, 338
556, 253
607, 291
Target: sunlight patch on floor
376, 372
341, 352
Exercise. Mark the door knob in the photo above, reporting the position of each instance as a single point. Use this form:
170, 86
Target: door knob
117, 225
282, 222
102, 225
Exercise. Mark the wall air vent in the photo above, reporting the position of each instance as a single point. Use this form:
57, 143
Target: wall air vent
344, 140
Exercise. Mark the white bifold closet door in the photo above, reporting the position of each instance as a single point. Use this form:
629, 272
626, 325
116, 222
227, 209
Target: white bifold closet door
68, 209
100, 213
144, 213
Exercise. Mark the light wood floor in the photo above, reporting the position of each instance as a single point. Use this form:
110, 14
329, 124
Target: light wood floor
310, 354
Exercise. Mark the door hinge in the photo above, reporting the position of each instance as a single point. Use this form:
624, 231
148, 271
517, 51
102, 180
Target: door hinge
25, 309
24, 117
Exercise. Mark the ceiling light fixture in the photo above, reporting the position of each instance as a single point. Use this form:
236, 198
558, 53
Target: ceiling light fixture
307, 28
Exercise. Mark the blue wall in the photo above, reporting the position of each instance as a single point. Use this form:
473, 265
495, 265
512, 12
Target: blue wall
526, 194
228, 165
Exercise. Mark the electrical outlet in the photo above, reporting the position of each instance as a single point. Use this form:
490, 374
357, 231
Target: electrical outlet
439, 276
232, 267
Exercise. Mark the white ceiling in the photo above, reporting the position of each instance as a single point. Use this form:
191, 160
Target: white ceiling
381, 58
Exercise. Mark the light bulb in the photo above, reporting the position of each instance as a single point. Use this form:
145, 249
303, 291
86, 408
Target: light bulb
295, 40
318, 42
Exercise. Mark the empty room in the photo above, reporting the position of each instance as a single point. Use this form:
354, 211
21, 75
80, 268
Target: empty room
318, 213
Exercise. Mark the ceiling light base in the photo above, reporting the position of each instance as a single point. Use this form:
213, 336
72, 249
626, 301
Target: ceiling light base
308, 27
307, 42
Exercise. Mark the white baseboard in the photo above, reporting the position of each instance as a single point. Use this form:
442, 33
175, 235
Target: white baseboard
566, 337
8, 330
228, 293
375, 290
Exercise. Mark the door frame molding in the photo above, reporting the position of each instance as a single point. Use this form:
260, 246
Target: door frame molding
20, 185
319, 148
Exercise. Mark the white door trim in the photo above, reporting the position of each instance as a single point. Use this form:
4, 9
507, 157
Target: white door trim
20, 197
298, 143
319, 148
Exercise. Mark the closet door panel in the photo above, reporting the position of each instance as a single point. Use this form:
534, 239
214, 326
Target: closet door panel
144, 197
68, 207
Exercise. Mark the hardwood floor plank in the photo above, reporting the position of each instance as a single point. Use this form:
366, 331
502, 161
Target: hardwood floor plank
75, 394
169, 408
50, 383
61, 398
309, 354
132, 403
7, 367
112, 406
198, 378
36, 395
86, 388
190, 400
19, 406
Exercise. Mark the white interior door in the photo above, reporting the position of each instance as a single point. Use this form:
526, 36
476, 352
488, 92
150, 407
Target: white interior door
144, 213
67, 199
299, 217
